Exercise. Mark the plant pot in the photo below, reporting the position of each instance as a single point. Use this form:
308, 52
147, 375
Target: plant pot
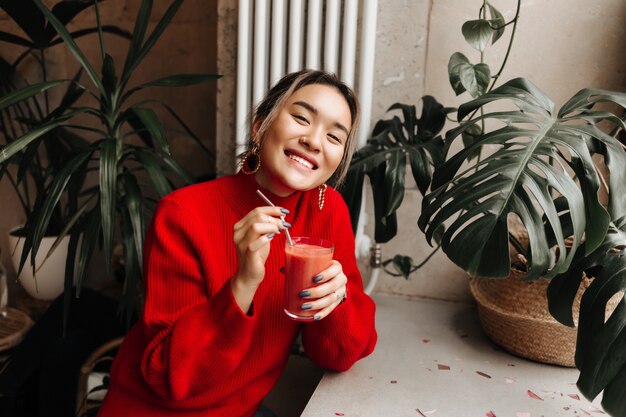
514, 314
47, 281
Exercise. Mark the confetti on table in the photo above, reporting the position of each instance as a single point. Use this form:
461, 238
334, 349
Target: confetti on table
565, 408
442, 367
522, 414
483, 374
509, 380
596, 410
586, 413
510, 364
393, 382
425, 340
533, 395
426, 413
574, 396
490, 414
339, 414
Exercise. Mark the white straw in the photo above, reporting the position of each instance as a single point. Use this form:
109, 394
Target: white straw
267, 200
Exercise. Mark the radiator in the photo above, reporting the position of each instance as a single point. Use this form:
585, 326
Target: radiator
280, 36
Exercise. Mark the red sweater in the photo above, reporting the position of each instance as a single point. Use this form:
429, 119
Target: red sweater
195, 353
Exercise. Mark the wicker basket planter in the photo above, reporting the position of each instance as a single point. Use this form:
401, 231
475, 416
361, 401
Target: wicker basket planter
514, 314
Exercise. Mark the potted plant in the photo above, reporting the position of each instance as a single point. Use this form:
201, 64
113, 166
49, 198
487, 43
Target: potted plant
29, 171
126, 152
520, 159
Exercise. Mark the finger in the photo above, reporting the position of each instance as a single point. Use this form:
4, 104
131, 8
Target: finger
257, 244
326, 311
328, 299
329, 273
335, 284
265, 214
245, 236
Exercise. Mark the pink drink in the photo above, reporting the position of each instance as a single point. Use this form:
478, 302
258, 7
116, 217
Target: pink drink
303, 261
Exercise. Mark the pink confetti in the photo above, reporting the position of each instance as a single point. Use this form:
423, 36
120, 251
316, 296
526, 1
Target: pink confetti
425, 340
596, 410
586, 413
339, 414
490, 414
533, 395
443, 367
522, 414
483, 374
574, 396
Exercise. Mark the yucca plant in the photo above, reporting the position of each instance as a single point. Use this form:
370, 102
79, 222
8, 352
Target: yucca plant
522, 158
127, 152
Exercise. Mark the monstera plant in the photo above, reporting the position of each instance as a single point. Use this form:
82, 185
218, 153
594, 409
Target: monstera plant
520, 158
127, 152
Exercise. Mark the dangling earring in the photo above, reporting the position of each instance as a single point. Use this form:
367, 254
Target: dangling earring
251, 161
321, 195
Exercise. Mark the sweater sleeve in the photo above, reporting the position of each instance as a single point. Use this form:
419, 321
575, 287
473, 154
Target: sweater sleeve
348, 333
195, 335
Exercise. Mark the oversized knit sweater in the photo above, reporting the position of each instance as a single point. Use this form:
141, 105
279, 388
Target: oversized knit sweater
195, 352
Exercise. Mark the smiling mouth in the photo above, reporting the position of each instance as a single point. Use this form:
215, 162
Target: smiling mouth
301, 161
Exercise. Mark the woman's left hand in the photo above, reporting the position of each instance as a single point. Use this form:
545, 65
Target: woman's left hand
328, 294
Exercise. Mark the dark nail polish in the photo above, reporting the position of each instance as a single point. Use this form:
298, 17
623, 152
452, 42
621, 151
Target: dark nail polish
282, 270
317, 318
306, 306
304, 293
286, 224
317, 278
270, 235
284, 211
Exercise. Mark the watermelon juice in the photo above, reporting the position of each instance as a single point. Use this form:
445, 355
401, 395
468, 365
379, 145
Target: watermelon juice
303, 261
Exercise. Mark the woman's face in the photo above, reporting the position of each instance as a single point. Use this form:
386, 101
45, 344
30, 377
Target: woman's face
305, 143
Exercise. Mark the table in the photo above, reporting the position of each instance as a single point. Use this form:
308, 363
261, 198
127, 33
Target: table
432, 360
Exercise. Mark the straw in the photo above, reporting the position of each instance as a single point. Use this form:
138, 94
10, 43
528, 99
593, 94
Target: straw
267, 200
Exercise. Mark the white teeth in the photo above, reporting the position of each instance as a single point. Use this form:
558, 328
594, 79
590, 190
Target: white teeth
302, 161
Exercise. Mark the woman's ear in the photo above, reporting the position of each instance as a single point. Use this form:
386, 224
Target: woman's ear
256, 125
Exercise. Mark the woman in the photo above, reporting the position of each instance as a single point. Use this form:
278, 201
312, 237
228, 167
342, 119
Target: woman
214, 339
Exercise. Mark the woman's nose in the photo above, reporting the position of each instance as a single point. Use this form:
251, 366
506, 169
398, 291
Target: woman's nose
312, 142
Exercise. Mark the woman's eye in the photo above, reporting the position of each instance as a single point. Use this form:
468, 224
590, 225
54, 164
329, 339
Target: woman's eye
335, 138
301, 118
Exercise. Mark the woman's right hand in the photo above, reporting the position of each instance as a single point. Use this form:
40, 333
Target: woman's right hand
252, 235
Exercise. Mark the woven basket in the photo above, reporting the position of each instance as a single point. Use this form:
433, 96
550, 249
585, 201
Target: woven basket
514, 314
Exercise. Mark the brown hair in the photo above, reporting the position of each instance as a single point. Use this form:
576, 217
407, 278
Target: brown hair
267, 110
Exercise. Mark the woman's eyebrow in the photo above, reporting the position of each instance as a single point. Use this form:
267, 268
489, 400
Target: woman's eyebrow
313, 110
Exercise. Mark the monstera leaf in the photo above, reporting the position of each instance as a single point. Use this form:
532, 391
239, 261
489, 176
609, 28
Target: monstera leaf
601, 342
536, 156
394, 143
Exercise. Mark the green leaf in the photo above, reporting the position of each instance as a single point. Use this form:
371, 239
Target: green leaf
176, 168
109, 79
455, 64
71, 44
477, 33
91, 233
27, 92
22, 142
139, 33
475, 78
151, 121
155, 172
497, 23
474, 199
108, 194
133, 200
132, 273
179, 80
152, 39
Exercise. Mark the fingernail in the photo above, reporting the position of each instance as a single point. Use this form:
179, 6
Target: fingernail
286, 224
306, 306
284, 211
317, 278
317, 318
270, 235
304, 293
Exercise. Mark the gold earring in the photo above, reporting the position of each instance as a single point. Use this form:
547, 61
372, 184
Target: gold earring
321, 196
251, 161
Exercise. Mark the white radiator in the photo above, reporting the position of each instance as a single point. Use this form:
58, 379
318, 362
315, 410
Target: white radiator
281, 36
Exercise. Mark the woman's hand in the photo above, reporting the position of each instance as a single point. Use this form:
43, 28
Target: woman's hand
328, 294
252, 236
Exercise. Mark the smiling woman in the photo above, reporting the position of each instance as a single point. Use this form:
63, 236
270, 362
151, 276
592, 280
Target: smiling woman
214, 337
